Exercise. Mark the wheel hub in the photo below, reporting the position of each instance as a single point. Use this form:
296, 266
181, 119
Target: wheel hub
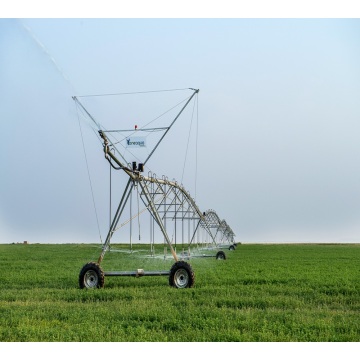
181, 278
91, 279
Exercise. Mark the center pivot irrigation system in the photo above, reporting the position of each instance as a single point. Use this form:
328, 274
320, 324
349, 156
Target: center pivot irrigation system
174, 214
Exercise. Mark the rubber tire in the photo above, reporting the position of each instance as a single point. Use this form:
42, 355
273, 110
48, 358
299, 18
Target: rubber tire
181, 275
91, 276
232, 248
220, 255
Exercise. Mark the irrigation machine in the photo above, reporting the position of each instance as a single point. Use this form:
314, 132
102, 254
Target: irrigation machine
187, 231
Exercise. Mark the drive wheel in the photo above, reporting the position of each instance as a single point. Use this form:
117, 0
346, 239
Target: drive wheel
220, 255
91, 276
232, 248
181, 275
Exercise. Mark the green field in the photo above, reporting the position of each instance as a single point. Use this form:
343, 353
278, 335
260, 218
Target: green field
261, 293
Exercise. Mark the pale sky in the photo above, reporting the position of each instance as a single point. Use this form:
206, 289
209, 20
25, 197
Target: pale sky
278, 121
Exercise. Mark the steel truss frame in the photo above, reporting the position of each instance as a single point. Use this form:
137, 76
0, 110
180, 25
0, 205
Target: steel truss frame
222, 233
166, 201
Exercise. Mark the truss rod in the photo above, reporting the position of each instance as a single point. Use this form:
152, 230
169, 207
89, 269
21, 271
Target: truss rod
120, 209
177, 116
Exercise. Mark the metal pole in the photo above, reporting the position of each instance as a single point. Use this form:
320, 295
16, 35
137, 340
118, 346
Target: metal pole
115, 221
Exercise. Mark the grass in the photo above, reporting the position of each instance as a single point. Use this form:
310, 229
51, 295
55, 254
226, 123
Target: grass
261, 293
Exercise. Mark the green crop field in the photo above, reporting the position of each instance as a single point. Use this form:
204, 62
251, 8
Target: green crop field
260, 293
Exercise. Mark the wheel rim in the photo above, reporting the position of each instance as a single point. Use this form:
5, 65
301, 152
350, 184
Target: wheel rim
181, 278
91, 279
220, 257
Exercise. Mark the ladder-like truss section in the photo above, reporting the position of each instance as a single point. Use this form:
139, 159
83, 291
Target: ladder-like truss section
170, 205
222, 233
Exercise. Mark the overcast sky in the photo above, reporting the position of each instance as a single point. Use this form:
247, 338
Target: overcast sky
278, 121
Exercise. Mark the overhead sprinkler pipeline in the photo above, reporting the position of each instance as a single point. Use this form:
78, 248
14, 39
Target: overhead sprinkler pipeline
170, 206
